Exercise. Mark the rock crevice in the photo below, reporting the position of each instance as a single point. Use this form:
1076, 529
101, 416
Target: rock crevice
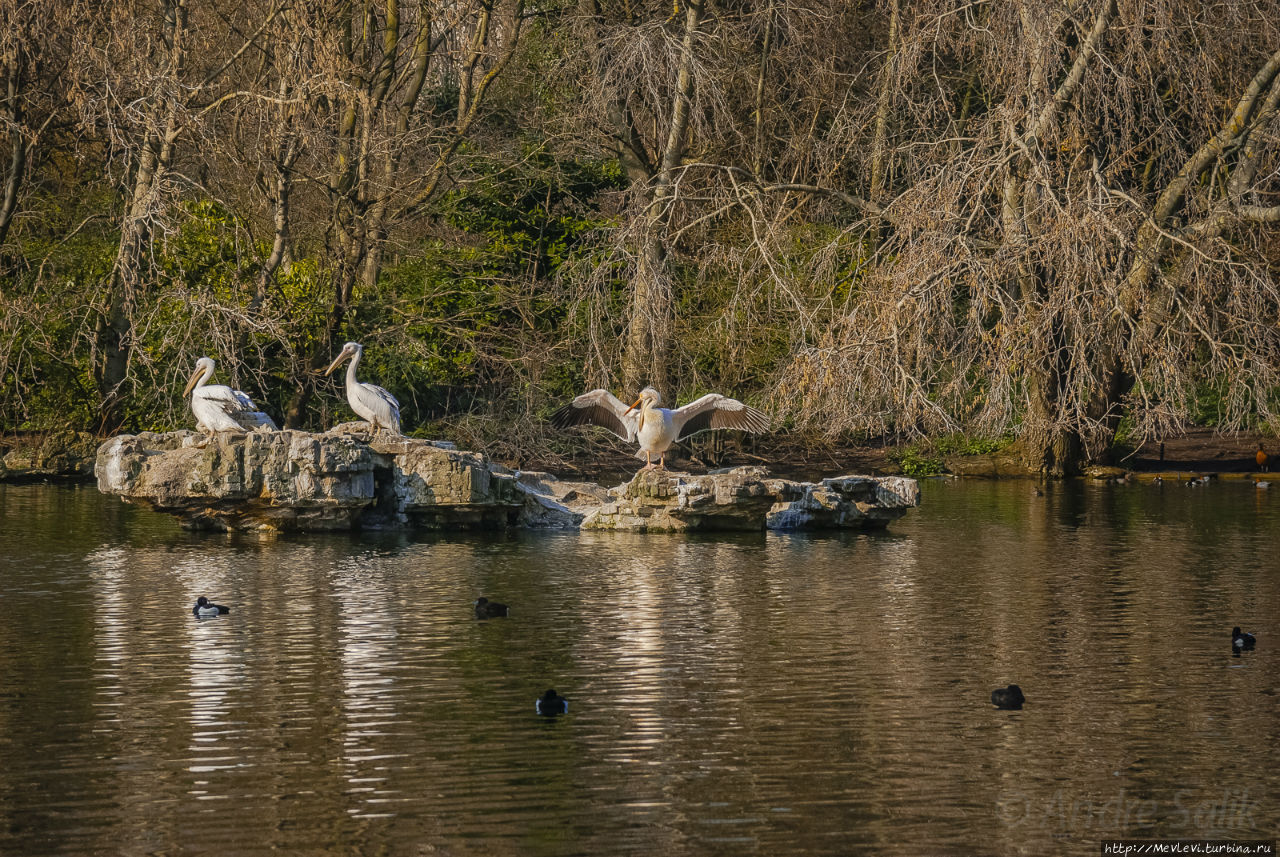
344, 479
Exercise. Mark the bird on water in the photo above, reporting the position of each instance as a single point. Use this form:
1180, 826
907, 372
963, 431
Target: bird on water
551, 704
204, 607
486, 609
1008, 697
1241, 641
656, 428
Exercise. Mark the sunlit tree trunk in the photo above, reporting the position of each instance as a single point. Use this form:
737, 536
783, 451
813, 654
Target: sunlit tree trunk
384, 62
649, 322
115, 329
1051, 441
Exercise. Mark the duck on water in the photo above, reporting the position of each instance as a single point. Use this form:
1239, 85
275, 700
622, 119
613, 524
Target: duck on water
1242, 641
1008, 697
551, 704
204, 608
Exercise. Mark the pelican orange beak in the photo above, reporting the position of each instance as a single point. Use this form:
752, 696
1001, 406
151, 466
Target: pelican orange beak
634, 405
195, 376
337, 361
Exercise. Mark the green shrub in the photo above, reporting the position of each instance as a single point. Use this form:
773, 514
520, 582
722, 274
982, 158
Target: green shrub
926, 457
917, 460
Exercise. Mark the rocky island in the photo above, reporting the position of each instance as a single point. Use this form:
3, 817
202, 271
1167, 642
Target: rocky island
348, 479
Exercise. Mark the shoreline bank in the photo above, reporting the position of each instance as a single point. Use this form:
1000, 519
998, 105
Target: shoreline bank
68, 456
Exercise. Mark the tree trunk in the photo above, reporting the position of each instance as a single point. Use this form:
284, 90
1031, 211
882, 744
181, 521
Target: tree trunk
879, 147
115, 328
1051, 442
648, 344
18, 159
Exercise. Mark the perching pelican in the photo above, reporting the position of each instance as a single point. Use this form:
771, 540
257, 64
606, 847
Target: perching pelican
372, 402
219, 408
656, 428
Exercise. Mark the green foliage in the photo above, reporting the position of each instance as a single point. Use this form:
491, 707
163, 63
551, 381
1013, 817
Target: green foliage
962, 444
926, 457
202, 253
531, 218
1207, 408
917, 460
67, 247
458, 314
735, 332
449, 324
1124, 432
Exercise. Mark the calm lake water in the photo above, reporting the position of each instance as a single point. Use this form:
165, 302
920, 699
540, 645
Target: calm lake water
758, 694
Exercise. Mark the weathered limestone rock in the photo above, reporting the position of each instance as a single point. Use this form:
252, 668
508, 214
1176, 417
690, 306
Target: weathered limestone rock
1100, 471
857, 502
745, 498
291, 480
60, 454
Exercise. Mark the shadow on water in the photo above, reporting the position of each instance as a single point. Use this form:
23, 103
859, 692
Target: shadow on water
793, 693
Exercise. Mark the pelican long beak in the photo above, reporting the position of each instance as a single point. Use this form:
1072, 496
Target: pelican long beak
195, 376
634, 405
337, 362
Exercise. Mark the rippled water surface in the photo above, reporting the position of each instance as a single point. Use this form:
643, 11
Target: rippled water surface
779, 694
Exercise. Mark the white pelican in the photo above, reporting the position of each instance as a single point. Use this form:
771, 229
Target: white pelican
218, 407
370, 401
657, 428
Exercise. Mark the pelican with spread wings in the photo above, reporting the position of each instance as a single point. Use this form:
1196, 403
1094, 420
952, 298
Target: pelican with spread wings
654, 427
370, 401
219, 408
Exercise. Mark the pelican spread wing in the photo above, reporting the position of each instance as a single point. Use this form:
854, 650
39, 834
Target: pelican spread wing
656, 428
598, 408
714, 411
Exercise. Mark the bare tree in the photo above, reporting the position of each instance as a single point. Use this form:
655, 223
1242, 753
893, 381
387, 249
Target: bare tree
34, 46
1055, 245
149, 73
376, 81
1031, 214
661, 77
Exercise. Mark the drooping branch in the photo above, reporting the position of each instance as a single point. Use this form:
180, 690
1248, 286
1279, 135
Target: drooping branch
1259, 214
1071, 83
437, 171
1151, 241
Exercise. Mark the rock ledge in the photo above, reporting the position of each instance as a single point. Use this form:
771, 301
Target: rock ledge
346, 479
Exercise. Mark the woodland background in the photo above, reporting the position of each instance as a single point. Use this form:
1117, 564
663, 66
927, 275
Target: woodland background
1052, 224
